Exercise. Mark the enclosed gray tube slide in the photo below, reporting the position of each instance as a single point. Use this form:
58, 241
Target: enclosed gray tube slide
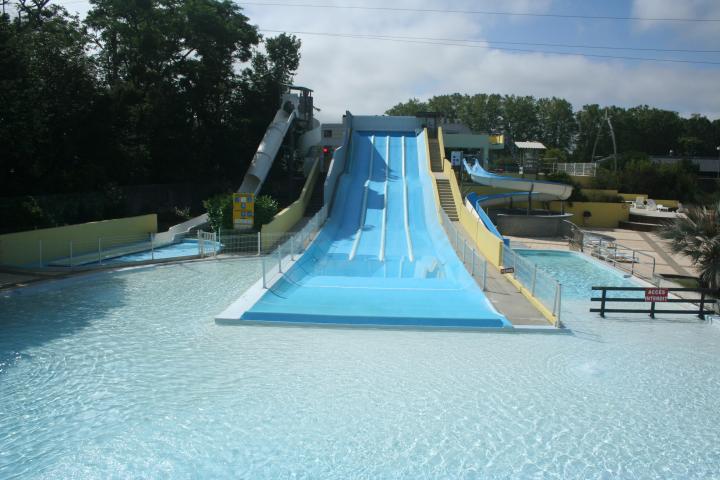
269, 146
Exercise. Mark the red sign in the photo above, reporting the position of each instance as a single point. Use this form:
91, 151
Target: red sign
507, 270
656, 294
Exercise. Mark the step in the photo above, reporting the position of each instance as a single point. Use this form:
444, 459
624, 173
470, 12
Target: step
639, 226
650, 219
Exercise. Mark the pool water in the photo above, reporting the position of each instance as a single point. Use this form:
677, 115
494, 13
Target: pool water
578, 273
126, 375
186, 248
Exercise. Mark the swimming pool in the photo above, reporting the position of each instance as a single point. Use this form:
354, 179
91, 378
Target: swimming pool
577, 273
185, 248
127, 375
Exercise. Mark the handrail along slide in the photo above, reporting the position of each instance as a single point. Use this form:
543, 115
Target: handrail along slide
468, 255
541, 285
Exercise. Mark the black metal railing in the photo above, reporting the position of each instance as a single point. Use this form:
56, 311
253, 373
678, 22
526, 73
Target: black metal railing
655, 293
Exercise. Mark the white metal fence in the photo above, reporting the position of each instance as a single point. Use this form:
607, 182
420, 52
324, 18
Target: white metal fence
475, 263
99, 251
577, 169
276, 263
621, 257
541, 284
118, 250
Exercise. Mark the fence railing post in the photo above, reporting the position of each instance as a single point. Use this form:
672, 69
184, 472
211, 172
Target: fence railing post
264, 282
702, 305
558, 315
484, 283
279, 259
292, 245
534, 280
602, 303
632, 265
259, 244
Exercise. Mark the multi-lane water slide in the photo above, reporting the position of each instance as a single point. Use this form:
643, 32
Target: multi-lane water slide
382, 258
528, 190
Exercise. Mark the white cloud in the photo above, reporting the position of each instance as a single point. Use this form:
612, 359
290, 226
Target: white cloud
370, 76
705, 9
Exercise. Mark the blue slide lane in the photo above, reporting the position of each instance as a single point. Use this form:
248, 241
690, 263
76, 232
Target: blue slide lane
327, 286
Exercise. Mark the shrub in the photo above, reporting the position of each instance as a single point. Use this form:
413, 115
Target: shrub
265, 209
219, 210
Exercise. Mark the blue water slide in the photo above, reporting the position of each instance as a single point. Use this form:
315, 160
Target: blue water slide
545, 190
378, 262
539, 190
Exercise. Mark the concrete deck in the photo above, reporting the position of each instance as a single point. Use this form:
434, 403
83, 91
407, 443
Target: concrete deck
505, 297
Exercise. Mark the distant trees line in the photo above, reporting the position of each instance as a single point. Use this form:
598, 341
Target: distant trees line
139, 92
553, 122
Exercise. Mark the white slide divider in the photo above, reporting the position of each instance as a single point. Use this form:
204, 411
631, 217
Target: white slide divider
405, 205
363, 209
381, 255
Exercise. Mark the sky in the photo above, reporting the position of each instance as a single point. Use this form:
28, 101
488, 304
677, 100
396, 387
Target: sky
368, 76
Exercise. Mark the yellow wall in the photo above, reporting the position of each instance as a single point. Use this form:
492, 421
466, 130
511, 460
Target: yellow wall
23, 248
487, 244
632, 196
667, 203
604, 215
289, 216
583, 181
595, 194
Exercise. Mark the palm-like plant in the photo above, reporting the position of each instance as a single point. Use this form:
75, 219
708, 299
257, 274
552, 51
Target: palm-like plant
697, 235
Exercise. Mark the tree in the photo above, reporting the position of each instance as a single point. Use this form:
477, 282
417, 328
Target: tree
520, 118
697, 235
48, 95
409, 108
556, 122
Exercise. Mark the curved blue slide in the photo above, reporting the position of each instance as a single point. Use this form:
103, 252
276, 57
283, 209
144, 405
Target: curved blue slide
377, 261
539, 190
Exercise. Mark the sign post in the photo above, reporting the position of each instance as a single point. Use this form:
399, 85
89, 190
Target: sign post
243, 211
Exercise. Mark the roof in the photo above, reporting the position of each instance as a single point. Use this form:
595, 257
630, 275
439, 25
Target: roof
530, 145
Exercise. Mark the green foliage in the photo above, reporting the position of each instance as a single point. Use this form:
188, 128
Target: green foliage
140, 92
219, 209
266, 207
697, 235
553, 122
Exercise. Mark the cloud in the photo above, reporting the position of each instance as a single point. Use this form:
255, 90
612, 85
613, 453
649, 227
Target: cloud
707, 9
370, 76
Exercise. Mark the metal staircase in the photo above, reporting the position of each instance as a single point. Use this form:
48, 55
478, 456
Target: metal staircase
446, 198
435, 156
